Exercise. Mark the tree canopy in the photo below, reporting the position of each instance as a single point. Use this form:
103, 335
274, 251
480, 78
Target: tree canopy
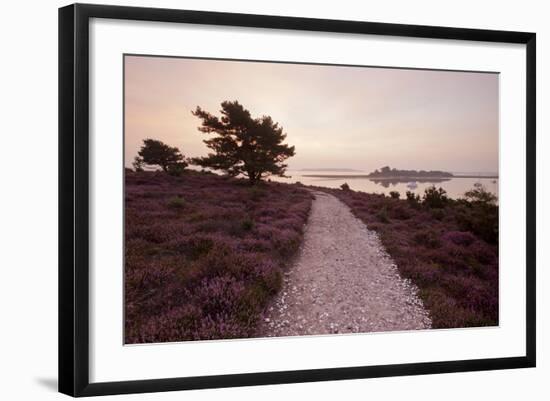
243, 145
157, 153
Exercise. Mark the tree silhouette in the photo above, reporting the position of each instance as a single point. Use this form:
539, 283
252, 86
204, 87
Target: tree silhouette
243, 145
157, 153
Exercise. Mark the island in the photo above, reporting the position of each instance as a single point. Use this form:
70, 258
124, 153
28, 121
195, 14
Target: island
392, 174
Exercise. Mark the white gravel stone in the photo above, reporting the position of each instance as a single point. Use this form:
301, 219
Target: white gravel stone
342, 267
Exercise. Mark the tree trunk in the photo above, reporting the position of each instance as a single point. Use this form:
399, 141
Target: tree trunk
252, 177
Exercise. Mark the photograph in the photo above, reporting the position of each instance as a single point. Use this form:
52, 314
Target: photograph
271, 199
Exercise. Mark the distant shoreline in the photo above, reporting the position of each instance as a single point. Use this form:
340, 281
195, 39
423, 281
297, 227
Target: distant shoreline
339, 170
397, 177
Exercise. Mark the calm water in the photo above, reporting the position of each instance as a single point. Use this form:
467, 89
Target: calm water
455, 187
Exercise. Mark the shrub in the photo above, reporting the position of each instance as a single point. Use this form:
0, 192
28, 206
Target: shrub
207, 273
400, 212
458, 280
413, 199
197, 246
437, 214
177, 202
480, 194
176, 169
138, 164
247, 224
383, 215
394, 194
464, 238
434, 197
256, 193
483, 252
345, 186
480, 219
427, 238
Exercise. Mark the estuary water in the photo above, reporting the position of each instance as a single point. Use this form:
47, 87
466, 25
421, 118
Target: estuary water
455, 186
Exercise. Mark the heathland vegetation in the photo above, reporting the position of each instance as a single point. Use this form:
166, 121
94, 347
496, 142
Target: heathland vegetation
205, 253
447, 247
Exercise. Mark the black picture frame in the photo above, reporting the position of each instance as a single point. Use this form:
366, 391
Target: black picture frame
74, 198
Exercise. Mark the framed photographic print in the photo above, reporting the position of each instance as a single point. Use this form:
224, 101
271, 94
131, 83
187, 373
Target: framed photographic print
250, 199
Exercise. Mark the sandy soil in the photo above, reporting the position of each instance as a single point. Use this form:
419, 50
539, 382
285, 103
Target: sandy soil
342, 282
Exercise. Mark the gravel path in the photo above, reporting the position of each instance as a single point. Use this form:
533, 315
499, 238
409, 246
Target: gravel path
342, 281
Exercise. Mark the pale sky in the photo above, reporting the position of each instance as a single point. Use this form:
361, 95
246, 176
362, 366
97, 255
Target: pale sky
336, 117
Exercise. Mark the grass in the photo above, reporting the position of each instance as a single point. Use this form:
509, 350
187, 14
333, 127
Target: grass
204, 254
448, 248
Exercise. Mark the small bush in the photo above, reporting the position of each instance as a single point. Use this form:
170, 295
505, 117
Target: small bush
428, 238
435, 197
480, 219
412, 197
464, 238
457, 278
438, 214
480, 194
256, 193
247, 224
138, 164
177, 202
202, 258
176, 169
383, 215
197, 247
345, 186
401, 213
394, 194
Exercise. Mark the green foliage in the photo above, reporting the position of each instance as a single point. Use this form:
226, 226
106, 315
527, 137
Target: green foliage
177, 202
243, 145
138, 164
478, 213
438, 214
157, 153
412, 198
176, 169
386, 171
383, 215
247, 224
435, 198
401, 213
427, 238
480, 194
450, 253
394, 194
256, 193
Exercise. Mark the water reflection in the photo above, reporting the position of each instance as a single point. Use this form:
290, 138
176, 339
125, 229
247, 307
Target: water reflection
455, 186
410, 184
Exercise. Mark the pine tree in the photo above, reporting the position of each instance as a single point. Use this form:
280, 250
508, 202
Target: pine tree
157, 153
243, 145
